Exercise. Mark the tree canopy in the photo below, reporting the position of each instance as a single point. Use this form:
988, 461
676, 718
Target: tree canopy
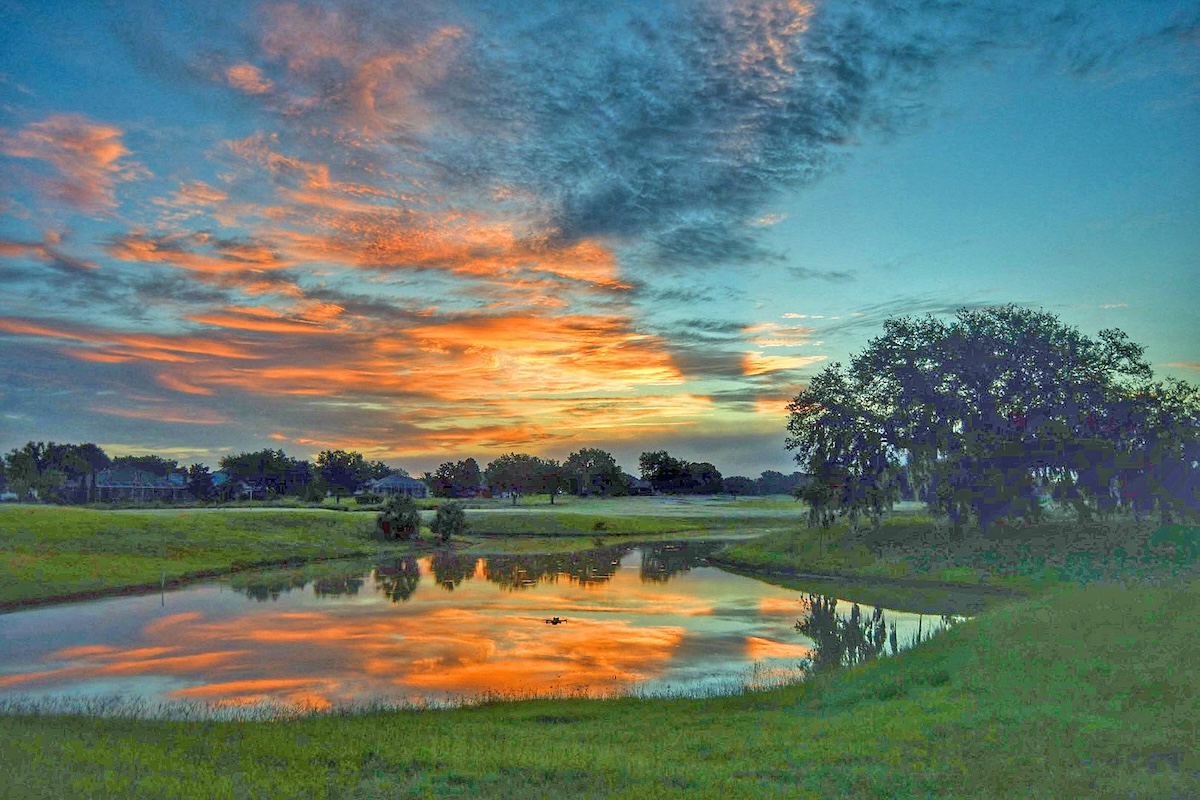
593, 471
268, 469
984, 413
455, 478
678, 476
521, 473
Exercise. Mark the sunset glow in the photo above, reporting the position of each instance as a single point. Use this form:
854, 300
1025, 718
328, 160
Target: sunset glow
486, 637
460, 229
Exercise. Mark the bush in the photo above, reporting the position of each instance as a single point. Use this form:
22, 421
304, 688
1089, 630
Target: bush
368, 498
399, 518
450, 520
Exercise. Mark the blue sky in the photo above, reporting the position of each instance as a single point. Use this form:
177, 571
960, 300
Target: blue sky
431, 230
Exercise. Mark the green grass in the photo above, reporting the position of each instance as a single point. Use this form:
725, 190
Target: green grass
54, 551
912, 547
1079, 693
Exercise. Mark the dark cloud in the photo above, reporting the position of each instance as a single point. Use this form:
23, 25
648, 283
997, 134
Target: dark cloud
697, 362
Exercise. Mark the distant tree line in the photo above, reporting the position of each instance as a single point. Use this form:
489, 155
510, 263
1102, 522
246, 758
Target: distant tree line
66, 473
990, 415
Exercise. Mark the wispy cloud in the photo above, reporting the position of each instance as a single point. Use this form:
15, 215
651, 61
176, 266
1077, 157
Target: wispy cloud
88, 158
425, 227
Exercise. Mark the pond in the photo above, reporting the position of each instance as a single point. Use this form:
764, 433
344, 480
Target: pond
650, 620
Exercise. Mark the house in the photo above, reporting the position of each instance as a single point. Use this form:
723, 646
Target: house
637, 486
225, 486
130, 483
399, 484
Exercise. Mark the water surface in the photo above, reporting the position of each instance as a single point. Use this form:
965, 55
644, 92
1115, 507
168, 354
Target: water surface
652, 620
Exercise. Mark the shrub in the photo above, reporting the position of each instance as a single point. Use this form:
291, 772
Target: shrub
368, 498
399, 518
450, 520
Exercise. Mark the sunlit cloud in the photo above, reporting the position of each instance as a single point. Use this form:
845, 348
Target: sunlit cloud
88, 158
757, 364
171, 413
248, 78
125, 345
198, 252
771, 334
418, 230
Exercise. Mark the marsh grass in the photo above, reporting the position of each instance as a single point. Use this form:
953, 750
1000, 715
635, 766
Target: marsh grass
1082, 692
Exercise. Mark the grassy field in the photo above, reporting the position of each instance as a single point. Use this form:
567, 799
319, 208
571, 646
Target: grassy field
48, 551
1078, 693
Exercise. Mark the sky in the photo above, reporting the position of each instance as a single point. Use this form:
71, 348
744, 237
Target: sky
432, 230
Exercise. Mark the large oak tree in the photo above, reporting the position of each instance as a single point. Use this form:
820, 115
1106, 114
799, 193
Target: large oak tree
985, 412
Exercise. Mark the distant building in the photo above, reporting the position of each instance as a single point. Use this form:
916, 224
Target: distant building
228, 488
399, 484
131, 483
637, 486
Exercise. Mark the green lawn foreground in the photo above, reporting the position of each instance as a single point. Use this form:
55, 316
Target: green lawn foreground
54, 551
1077, 693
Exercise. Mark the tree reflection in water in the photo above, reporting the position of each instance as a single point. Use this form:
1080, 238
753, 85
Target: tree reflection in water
661, 562
399, 579
585, 567
262, 588
329, 579
338, 586
854, 639
450, 569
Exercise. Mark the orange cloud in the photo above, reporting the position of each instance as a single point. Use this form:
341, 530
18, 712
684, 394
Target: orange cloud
43, 251
780, 605
172, 414
772, 31
771, 334
196, 253
774, 406
248, 78
146, 346
756, 363
86, 155
171, 382
257, 323
759, 648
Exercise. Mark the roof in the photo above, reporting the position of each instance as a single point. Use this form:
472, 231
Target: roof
131, 477
397, 481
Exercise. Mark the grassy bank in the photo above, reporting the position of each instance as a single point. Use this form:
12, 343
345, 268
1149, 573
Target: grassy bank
911, 548
49, 551
1078, 693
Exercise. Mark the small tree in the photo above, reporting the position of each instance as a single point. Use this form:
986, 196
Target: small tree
199, 481
450, 520
399, 518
